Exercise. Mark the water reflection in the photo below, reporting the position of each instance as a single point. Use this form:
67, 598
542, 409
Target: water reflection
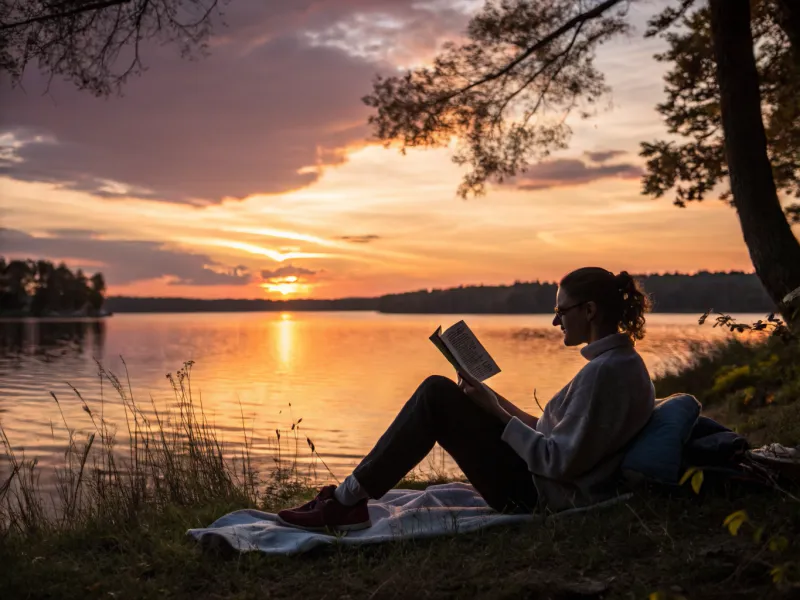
52, 339
285, 339
345, 374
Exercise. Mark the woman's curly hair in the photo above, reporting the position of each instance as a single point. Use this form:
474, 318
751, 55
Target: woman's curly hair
621, 299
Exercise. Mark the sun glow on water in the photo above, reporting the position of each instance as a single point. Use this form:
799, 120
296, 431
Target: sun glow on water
285, 339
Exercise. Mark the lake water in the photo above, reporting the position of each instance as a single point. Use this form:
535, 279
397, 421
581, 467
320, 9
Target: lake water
345, 374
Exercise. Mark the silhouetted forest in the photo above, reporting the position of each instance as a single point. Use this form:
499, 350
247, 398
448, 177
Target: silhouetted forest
727, 292
39, 288
132, 304
734, 292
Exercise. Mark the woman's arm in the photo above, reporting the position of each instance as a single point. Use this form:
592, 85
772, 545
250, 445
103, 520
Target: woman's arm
505, 404
515, 411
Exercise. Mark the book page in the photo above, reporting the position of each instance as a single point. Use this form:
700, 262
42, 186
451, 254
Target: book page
469, 352
436, 338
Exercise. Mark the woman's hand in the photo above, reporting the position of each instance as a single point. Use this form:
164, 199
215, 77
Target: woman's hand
482, 396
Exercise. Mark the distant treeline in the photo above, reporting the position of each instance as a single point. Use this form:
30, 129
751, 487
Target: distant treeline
40, 288
734, 292
134, 304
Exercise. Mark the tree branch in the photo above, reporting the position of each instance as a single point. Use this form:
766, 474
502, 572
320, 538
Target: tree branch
67, 13
575, 21
564, 55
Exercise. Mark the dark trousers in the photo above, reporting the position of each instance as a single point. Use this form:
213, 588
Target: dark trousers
440, 412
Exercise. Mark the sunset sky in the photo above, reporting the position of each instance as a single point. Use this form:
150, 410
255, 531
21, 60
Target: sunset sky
250, 173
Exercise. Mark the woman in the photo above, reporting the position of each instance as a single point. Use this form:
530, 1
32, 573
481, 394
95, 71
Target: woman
567, 457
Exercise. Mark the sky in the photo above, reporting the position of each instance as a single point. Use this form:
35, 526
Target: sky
252, 173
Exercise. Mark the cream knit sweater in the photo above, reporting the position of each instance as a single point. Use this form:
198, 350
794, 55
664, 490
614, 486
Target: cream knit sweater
576, 448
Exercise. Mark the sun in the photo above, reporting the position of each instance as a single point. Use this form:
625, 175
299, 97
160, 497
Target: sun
284, 289
285, 286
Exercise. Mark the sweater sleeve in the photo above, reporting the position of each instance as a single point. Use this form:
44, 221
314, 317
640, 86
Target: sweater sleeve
579, 440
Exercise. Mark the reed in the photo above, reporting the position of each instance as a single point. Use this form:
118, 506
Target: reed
174, 457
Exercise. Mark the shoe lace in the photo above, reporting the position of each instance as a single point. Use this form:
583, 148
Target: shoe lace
322, 497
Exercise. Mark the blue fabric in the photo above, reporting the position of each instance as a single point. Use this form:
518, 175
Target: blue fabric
718, 449
656, 453
706, 426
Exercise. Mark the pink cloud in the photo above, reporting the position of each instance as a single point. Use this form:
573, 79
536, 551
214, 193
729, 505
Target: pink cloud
266, 105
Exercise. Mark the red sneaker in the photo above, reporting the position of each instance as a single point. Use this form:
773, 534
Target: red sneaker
326, 512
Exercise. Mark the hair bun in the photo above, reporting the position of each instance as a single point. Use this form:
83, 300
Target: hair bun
620, 298
624, 281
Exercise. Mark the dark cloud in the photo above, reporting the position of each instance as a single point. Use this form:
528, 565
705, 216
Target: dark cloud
287, 271
278, 97
360, 239
601, 156
568, 172
124, 261
244, 126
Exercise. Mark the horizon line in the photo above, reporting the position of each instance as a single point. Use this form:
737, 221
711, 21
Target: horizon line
428, 290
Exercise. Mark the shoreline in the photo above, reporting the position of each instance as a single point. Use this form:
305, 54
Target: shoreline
53, 318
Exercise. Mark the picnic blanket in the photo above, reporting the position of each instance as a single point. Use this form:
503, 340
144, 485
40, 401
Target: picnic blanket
439, 510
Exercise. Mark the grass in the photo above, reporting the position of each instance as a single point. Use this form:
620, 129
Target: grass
634, 550
174, 460
116, 525
753, 387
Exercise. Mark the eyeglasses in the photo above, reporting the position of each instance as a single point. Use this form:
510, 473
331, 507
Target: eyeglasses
560, 312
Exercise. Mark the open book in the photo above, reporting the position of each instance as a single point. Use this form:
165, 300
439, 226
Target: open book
463, 350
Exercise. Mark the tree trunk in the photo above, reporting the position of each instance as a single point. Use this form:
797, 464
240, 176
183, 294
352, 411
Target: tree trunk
773, 248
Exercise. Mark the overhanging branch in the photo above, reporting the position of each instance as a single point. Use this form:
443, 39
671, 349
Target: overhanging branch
67, 13
574, 22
